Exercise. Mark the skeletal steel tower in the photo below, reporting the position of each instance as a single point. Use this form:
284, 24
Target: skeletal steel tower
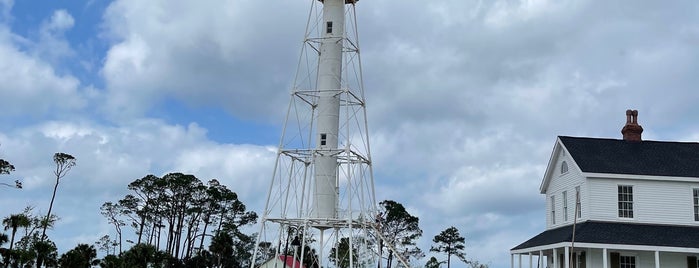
321, 201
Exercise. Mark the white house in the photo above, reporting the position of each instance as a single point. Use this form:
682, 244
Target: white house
618, 203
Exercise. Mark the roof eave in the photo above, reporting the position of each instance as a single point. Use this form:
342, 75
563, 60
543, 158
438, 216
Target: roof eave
550, 167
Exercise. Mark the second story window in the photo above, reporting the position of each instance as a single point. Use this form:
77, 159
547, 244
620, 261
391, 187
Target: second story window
625, 201
578, 207
553, 210
564, 167
565, 205
696, 204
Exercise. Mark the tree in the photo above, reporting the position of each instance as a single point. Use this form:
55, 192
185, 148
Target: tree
82, 256
450, 242
111, 212
14, 222
142, 255
221, 246
400, 231
106, 244
3, 238
340, 254
433, 263
64, 162
46, 252
6, 168
476, 264
111, 261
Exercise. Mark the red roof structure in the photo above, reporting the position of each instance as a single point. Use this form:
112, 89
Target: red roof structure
291, 262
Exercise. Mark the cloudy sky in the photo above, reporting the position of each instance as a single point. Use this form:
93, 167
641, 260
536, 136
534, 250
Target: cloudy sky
465, 98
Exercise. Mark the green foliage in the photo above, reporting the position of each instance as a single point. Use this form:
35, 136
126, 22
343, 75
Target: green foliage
143, 255
82, 256
64, 162
432, 263
340, 254
6, 168
450, 242
14, 222
4, 238
180, 211
476, 264
401, 231
111, 261
46, 252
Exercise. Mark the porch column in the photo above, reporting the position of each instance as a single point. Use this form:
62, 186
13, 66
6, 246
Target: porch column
512, 260
555, 258
520, 260
531, 258
567, 257
541, 258
657, 259
604, 258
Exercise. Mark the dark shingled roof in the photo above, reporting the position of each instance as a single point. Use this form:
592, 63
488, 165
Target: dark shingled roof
657, 158
619, 233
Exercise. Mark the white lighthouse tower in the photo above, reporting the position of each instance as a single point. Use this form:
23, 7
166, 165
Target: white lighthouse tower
321, 201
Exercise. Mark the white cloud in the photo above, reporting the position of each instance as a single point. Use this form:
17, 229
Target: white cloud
465, 99
108, 158
221, 53
60, 21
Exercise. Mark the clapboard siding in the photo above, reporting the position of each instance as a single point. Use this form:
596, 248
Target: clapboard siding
661, 202
561, 182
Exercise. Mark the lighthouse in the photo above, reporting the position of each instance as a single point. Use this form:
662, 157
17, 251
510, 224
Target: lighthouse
321, 207
329, 92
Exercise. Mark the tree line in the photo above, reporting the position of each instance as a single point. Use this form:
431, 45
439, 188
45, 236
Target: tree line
178, 220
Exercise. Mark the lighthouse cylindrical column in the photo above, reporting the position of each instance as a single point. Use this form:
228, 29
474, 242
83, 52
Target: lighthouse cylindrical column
328, 109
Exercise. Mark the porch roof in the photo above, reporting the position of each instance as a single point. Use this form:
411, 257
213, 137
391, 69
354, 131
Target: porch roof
620, 233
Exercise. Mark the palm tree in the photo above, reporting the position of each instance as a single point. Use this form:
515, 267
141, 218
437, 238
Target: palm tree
3, 238
14, 222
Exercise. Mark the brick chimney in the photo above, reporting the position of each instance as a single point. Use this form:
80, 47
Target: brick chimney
632, 130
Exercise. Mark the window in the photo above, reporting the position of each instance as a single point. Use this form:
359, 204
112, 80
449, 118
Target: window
696, 204
627, 262
323, 138
329, 27
625, 201
553, 210
564, 167
565, 205
578, 207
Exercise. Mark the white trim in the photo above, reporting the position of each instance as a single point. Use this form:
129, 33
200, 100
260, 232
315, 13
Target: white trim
657, 259
691, 194
607, 246
593, 175
633, 202
549, 168
605, 259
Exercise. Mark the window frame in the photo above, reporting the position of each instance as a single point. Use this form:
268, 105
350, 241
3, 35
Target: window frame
625, 208
329, 27
565, 206
632, 258
578, 202
695, 202
564, 167
323, 139
553, 209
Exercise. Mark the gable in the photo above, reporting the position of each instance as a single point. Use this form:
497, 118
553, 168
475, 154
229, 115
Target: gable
560, 159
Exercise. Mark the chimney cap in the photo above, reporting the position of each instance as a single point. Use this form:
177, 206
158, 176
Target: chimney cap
631, 132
